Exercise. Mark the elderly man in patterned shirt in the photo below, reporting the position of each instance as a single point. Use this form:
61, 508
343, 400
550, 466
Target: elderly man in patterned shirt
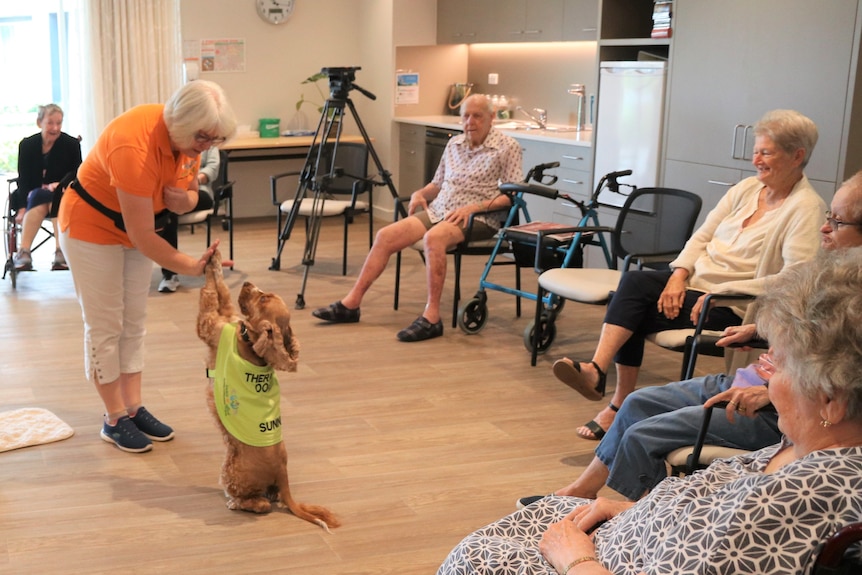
465, 183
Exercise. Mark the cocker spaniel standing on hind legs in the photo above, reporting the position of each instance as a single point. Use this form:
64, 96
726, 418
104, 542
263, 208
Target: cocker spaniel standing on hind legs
244, 397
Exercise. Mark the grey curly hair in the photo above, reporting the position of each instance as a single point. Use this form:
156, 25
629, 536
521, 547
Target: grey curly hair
812, 318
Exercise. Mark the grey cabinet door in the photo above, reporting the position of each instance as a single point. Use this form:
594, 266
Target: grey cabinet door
411, 156
580, 20
461, 21
736, 59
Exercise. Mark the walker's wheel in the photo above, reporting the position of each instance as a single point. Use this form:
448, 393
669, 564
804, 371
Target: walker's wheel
547, 333
473, 315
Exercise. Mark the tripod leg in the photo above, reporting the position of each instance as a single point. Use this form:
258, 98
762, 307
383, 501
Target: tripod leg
306, 176
385, 175
333, 119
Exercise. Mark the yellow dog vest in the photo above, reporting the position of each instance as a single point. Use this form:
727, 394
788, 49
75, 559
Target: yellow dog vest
247, 396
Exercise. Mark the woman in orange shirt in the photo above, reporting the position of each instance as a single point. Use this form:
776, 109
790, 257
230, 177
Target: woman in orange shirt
144, 163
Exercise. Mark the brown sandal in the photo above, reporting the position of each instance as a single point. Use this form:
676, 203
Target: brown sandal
569, 372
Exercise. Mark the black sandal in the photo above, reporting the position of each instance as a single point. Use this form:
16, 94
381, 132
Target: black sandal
569, 372
337, 313
595, 428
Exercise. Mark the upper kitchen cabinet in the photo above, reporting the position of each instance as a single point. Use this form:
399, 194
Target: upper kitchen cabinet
528, 20
463, 21
580, 20
474, 21
734, 60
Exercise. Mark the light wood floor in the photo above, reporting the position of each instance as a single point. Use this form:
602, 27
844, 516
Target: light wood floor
412, 445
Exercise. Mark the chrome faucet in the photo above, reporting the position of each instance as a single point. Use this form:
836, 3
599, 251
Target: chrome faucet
542, 120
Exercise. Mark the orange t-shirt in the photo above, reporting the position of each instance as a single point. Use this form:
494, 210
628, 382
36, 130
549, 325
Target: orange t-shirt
133, 154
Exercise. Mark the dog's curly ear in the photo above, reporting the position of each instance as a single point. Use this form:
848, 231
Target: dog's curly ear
291, 344
270, 345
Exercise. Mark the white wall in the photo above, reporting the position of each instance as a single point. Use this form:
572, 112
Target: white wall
320, 33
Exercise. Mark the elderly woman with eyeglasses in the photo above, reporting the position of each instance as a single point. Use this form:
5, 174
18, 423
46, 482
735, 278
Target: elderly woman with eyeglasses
767, 512
144, 163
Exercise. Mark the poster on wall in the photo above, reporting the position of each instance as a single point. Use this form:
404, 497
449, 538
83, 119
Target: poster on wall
223, 55
407, 88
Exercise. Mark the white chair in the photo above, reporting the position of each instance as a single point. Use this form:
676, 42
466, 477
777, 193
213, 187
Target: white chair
350, 182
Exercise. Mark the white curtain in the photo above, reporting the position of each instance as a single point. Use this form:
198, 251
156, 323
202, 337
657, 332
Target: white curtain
135, 55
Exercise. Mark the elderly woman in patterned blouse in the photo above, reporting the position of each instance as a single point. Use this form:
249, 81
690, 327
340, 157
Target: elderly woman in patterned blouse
760, 513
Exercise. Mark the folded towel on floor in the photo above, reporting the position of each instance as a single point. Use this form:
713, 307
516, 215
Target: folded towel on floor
31, 426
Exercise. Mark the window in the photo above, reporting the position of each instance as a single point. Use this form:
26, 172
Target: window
38, 56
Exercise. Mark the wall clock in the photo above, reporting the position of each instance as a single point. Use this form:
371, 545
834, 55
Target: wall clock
275, 11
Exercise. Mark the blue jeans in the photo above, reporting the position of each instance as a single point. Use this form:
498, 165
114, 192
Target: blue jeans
653, 421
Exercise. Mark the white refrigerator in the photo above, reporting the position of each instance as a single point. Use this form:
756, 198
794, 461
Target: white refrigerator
629, 124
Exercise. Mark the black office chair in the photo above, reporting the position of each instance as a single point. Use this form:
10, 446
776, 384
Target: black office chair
651, 229
350, 182
222, 196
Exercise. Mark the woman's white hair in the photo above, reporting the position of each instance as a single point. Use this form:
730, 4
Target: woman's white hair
199, 106
790, 131
812, 316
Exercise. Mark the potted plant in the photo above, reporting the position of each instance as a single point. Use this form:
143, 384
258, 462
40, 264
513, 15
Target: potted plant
313, 81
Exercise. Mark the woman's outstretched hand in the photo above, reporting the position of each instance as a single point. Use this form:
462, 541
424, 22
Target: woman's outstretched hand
202, 263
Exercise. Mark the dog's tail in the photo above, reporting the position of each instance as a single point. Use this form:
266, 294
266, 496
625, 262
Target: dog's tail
311, 513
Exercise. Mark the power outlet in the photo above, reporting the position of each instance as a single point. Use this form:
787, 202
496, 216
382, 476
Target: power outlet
493, 79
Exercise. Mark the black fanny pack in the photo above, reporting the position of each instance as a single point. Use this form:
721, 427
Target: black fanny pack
161, 218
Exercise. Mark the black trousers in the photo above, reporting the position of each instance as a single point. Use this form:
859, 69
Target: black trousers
634, 307
170, 231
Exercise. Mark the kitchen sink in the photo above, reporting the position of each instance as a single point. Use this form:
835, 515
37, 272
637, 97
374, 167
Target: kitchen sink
534, 127
516, 125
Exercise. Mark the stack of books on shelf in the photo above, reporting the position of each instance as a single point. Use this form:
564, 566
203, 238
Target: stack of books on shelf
661, 15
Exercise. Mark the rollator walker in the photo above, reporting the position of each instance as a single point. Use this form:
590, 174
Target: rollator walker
536, 244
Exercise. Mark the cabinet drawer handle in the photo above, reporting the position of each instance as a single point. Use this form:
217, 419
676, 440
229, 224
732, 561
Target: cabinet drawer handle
576, 182
532, 31
589, 29
577, 158
718, 183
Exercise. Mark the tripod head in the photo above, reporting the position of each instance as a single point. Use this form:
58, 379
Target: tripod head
341, 82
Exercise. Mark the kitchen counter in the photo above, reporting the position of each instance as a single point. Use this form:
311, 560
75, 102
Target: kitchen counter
582, 138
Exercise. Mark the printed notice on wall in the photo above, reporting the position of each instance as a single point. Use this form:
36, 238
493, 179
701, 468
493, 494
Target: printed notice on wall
407, 88
223, 55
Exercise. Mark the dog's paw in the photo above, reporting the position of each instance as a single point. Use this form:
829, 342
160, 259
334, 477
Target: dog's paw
213, 266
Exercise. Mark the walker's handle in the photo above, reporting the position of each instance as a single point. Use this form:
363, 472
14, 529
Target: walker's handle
613, 185
512, 188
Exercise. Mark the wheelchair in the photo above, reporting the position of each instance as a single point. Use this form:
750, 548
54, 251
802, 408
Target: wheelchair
16, 199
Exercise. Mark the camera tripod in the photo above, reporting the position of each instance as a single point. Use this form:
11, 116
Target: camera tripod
320, 170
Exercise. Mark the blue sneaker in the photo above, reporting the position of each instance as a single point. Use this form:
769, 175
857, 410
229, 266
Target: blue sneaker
126, 436
147, 423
